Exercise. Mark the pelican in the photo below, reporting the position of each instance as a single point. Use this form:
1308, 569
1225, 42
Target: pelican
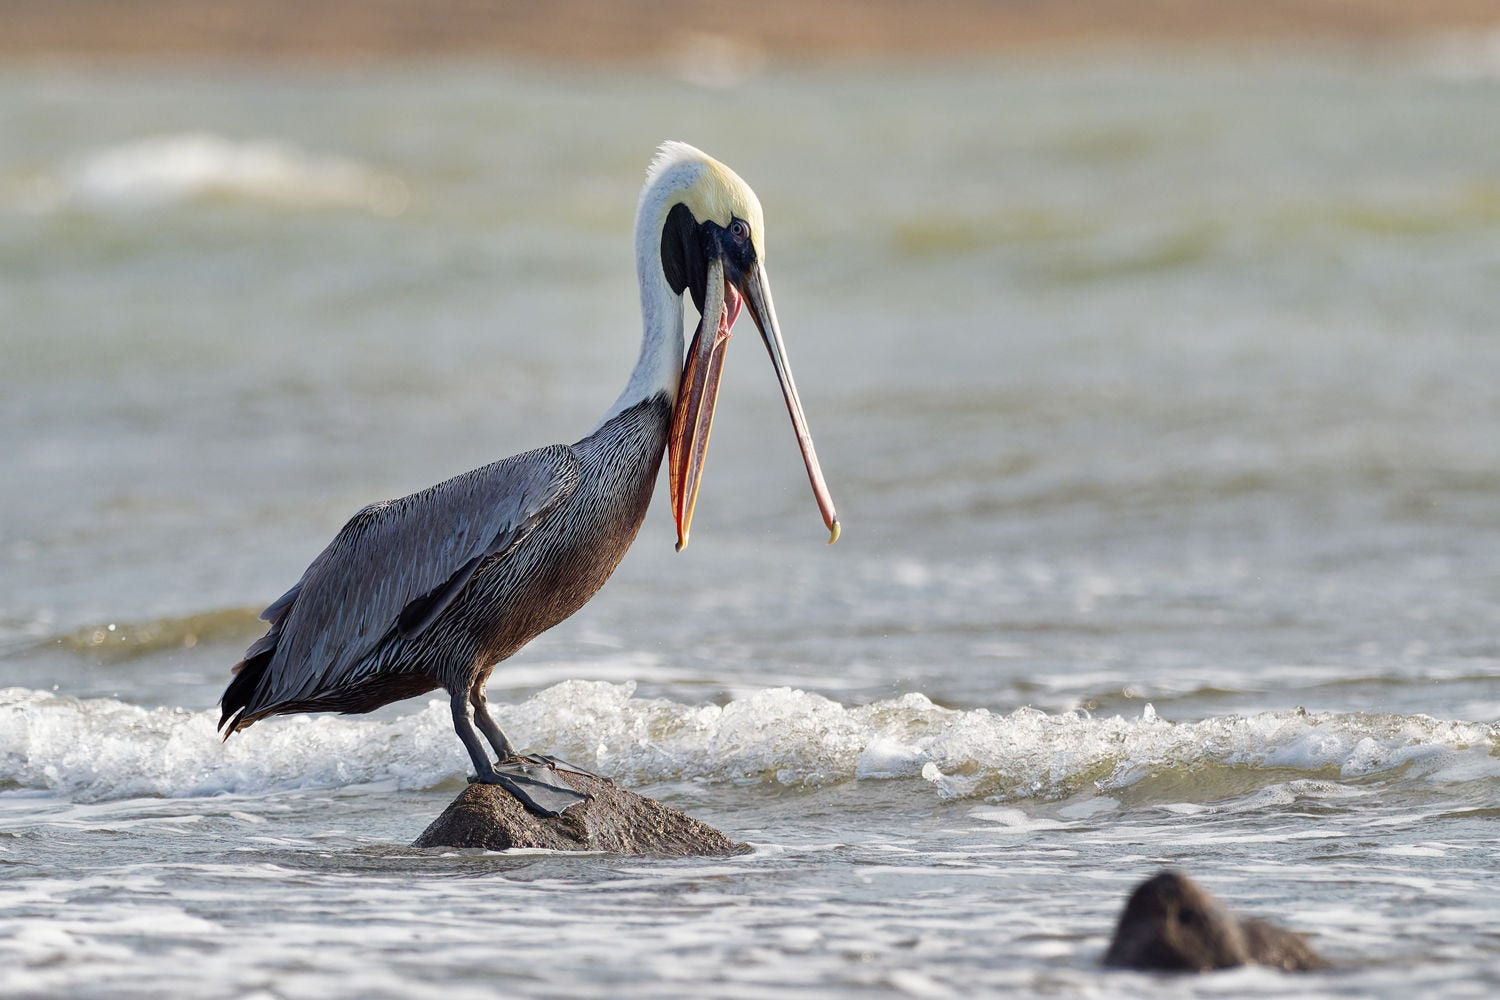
432, 590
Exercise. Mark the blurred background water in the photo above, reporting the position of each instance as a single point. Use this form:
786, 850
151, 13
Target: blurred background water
1158, 395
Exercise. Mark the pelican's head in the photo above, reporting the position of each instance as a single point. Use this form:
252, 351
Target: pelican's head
713, 248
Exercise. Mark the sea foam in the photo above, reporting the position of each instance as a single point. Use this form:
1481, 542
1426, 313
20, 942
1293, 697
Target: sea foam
168, 169
103, 748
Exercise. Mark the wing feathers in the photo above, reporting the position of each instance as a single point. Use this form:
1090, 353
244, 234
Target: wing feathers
422, 612
278, 608
398, 565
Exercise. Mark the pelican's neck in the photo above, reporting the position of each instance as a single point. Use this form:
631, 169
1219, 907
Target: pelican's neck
659, 368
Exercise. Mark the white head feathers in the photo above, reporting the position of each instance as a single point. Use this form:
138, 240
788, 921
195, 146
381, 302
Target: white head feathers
709, 189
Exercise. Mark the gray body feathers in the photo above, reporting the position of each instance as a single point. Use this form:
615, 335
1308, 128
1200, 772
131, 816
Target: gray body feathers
433, 589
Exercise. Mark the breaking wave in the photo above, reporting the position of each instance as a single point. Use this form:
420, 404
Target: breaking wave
170, 169
107, 749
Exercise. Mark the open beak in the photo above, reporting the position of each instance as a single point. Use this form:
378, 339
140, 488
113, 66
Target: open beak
693, 414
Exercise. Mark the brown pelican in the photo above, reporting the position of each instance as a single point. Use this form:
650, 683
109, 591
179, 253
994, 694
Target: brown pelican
433, 589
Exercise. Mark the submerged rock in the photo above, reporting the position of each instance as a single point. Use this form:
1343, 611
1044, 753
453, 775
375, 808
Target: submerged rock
1171, 924
613, 820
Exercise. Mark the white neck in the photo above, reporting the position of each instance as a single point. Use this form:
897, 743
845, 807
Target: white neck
659, 367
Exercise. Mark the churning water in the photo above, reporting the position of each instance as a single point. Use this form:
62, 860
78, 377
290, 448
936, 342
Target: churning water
1160, 399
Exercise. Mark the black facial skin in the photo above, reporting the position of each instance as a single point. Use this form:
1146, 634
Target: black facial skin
687, 246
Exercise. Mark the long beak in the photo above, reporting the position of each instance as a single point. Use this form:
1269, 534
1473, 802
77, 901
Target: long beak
693, 414
757, 289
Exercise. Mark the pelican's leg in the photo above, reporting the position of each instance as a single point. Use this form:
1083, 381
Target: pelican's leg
465, 729
503, 748
506, 750
537, 786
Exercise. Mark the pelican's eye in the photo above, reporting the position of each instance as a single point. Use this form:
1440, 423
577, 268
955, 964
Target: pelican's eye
740, 230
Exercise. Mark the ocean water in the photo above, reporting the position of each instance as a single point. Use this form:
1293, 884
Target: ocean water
1160, 397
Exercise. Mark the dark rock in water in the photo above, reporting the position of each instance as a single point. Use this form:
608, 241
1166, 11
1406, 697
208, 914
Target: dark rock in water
1171, 924
613, 820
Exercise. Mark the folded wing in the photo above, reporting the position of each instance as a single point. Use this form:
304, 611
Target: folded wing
394, 567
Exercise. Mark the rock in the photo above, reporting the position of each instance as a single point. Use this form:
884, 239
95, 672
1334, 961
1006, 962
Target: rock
613, 820
1171, 924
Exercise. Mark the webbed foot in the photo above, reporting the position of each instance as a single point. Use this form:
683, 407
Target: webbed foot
533, 779
558, 764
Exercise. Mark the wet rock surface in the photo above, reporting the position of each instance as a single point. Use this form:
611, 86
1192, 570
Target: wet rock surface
1171, 924
613, 820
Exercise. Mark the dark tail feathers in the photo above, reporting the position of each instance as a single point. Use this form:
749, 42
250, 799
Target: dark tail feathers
241, 692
